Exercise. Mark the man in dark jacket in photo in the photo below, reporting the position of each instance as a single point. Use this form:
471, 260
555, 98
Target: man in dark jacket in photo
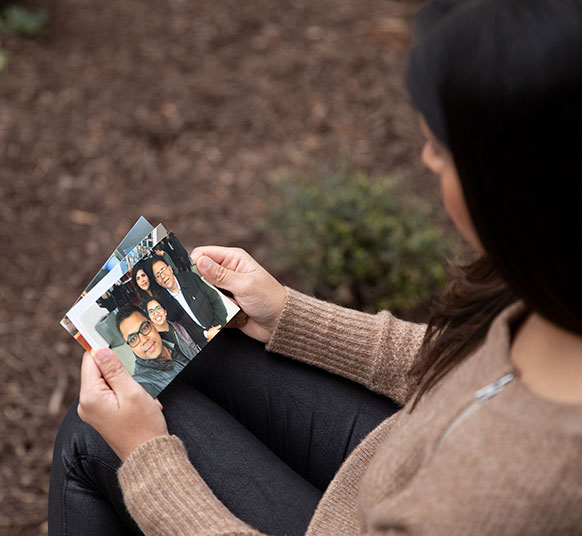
201, 302
157, 362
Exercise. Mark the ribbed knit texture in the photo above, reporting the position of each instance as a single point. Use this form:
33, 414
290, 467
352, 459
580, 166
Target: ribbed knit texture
167, 496
374, 350
512, 467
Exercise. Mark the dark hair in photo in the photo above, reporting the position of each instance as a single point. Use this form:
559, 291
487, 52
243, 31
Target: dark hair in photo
500, 83
125, 312
142, 264
144, 304
154, 287
157, 258
147, 266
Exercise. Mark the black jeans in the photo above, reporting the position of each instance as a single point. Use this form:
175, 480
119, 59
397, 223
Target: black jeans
265, 432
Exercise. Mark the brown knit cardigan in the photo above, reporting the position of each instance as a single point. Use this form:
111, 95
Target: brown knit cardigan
502, 462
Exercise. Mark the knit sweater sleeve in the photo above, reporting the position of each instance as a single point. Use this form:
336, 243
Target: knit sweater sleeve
166, 496
374, 350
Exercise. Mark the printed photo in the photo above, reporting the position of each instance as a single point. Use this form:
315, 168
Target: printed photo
157, 315
115, 268
135, 243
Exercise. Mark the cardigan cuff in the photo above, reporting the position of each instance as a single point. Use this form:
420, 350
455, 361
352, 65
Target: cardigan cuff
167, 497
340, 340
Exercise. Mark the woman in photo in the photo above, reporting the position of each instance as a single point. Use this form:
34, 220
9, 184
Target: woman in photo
488, 436
142, 282
172, 332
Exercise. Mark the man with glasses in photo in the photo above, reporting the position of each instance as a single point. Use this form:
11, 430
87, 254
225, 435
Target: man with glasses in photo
202, 303
157, 362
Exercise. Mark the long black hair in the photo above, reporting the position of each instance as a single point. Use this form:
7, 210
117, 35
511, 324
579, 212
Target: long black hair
500, 84
144, 265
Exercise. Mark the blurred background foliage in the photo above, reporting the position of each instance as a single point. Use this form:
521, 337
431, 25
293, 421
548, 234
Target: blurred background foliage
363, 242
15, 19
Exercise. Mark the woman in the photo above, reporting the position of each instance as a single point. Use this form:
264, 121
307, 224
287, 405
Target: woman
172, 332
489, 439
142, 282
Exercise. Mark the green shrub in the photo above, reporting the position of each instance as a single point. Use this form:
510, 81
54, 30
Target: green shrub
358, 241
22, 21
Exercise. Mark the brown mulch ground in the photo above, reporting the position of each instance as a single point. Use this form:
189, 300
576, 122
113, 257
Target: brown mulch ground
181, 111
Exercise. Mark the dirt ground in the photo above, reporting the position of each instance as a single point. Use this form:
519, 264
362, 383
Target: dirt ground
181, 111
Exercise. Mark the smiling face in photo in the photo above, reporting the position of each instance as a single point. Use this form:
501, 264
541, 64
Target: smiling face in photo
156, 313
142, 280
148, 343
164, 274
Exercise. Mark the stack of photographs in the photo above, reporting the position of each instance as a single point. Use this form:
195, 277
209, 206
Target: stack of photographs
149, 304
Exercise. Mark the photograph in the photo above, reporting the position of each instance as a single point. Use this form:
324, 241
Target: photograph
157, 314
119, 262
134, 243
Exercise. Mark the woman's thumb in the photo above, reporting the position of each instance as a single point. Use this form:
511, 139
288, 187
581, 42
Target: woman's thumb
111, 368
217, 274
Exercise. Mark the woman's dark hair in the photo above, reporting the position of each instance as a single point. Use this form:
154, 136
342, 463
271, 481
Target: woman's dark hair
141, 265
500, 84
148, 268
144, 304
459, 321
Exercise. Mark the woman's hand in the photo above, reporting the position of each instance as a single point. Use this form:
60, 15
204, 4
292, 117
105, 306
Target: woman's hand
113, 403
255, 291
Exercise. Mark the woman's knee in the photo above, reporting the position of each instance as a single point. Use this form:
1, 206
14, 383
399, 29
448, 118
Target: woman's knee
79, 448
84, 480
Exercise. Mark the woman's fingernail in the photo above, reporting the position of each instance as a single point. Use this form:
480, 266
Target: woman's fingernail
204, 263
102, 355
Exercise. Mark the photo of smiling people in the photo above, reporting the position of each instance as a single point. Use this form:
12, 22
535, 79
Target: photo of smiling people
155, 317
172, 332
157, 361
188, 299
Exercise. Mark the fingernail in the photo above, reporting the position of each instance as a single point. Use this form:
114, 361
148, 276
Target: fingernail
204, 263
102, 355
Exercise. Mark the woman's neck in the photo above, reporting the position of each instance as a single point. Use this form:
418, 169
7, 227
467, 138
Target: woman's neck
549, 360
